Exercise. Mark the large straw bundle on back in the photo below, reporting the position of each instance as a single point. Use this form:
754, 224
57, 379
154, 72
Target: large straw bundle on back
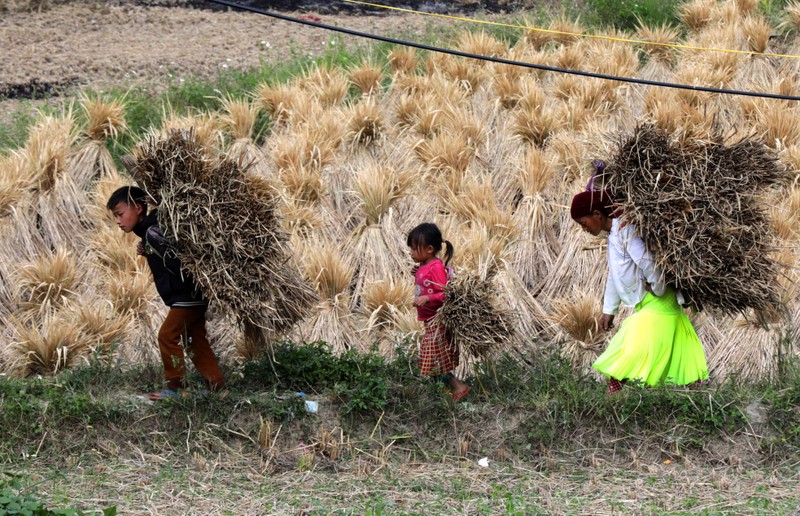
697, 207
223, 222
472, 314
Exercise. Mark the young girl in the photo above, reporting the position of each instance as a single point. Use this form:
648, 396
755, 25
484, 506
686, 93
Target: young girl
437, 356
656, 344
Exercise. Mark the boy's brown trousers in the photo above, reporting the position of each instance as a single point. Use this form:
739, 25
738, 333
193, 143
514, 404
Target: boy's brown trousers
187, 325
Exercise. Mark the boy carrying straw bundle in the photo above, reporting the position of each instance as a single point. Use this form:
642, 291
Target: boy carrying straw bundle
185, 325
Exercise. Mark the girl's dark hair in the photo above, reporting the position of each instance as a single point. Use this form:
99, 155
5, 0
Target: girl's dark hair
130, 195
429, 234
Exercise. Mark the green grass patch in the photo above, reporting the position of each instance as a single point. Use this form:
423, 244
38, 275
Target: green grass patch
629, 14
18, 499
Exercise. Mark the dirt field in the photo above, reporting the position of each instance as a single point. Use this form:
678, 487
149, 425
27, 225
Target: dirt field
101, 46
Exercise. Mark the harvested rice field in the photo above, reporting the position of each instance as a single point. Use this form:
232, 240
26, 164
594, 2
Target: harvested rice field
450, 488
288, 165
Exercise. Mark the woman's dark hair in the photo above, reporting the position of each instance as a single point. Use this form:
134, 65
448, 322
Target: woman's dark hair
130, 195
429, 234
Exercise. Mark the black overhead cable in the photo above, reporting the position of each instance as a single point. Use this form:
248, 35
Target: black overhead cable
500, 60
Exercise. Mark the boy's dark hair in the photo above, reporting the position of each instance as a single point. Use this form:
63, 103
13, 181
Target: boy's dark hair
130, 195
428, 233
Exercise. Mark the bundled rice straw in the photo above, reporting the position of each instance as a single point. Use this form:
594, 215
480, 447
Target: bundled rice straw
331, 320
226, 231
47, 348
101, 326
698, 210
389, 313
239, 119
575, 318
12, 184
92, 160
55, 204
536, 251
48, 280
376, 248
474, 318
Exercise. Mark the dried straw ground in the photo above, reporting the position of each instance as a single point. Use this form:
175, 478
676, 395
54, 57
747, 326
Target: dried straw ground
491, 153
217, 484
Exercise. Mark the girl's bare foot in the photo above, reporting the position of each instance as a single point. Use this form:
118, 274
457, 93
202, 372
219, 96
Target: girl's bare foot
459, 388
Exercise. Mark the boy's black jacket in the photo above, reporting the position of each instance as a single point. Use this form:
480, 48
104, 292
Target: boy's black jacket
175, 287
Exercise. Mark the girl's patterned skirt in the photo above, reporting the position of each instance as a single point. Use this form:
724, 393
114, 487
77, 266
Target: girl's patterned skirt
655, 345
437, 355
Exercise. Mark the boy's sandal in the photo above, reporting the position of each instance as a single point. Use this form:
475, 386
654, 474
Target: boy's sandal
166, 393
459, 395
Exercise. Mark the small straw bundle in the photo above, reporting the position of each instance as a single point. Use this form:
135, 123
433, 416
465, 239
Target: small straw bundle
224, 225
474, 318
367, 78
376, 248
12, 185
47, 149
56, 205
575, 322
697, 207
49, 280
105, 119
329, 86
538, 246
403, 60
102, 327
46, 348
331, 320
389, 314
239, 120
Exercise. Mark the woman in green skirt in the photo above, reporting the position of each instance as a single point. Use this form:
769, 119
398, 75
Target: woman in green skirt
657, 344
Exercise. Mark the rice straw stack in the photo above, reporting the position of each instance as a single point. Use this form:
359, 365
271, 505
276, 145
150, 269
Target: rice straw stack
46, 348
376, 248
239, 120
331, 320
575, 318
389, 314
92, 160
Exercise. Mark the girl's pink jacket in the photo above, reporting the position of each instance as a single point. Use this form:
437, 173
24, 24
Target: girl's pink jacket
430, 281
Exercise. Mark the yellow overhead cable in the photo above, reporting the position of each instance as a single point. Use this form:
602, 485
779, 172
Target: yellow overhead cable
573, 34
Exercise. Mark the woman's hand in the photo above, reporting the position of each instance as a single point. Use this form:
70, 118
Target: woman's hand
606, 322
421, 301
649, 288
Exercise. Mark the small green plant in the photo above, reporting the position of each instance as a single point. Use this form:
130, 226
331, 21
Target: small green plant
359, 380
13, 500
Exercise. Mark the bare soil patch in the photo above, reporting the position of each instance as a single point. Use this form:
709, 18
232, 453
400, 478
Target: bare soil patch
101, 45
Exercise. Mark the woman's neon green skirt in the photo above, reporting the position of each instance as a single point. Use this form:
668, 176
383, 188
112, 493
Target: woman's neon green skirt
656, 345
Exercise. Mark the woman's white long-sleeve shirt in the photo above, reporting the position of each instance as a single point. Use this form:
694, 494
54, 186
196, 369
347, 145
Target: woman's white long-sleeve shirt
630, 269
